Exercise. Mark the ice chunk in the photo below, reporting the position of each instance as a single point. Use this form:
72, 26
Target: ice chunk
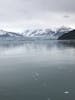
66, 92
35, 75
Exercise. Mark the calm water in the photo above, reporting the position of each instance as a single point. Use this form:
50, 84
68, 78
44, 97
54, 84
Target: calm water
37, 70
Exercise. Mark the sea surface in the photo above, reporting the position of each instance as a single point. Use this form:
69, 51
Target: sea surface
37, 70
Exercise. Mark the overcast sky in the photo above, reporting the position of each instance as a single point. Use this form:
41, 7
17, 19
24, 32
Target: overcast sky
16, 15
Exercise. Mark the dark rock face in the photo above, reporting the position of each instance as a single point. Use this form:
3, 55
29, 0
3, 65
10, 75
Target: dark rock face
68, 36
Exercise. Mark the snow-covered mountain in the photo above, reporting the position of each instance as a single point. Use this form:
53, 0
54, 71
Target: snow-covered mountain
46, 33
9, 34
4, 35
30, 34
62, 30
39, 33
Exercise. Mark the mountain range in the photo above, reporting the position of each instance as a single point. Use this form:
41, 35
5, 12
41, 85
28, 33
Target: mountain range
33, 34
68, 36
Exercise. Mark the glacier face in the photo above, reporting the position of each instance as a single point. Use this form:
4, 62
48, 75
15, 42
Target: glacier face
33, 34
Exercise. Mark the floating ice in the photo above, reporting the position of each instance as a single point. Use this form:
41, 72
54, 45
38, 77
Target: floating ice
66, 92
35, 75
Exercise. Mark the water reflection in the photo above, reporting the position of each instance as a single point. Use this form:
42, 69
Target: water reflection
51, 43
37, 70
38, 44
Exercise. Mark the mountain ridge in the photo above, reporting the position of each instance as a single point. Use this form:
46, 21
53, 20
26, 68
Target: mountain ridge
41, 34
68, 36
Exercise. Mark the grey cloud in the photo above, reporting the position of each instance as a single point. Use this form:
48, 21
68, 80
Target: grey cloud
59, 5
66, 16
23, 10
35, 6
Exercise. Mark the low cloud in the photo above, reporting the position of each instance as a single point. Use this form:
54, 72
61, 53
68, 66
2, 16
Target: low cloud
43, 11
